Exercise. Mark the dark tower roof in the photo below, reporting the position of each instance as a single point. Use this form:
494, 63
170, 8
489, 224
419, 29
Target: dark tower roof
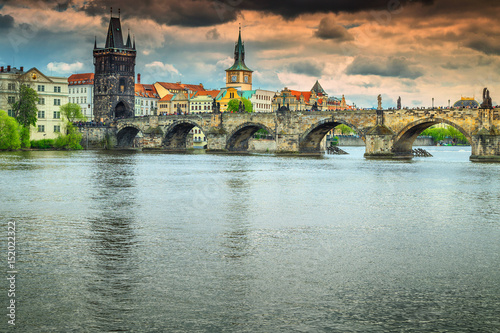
239, 57
115, 38
318, 89
129, 43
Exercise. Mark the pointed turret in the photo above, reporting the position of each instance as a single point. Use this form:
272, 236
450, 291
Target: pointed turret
133, 47
239, 56
129, 43
114, 39
95, 42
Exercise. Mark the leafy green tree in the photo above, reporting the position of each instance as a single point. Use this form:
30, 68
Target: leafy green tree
345, 130
26, 112
234, 104
9, 132
72, 112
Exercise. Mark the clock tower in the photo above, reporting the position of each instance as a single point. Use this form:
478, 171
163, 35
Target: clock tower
239, 75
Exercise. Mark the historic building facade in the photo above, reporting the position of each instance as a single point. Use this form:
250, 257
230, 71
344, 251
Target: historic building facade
81, 92
239, 75
52, 93
114, 73
294, 100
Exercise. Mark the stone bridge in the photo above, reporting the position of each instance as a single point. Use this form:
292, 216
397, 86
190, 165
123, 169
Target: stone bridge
387, 133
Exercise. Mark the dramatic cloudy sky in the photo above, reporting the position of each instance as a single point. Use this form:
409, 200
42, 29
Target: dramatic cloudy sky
416, 49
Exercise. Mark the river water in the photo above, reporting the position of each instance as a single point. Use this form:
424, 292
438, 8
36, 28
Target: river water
155, 242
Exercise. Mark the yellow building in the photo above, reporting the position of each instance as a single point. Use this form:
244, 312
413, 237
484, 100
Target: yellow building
52, 93
226, 95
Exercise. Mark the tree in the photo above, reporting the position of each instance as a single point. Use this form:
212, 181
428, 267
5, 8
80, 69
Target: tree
24, 109
26, 112
9, 132
234, 105
72, 112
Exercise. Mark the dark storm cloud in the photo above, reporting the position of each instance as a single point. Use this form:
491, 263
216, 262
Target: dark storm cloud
486, 46
309, 68
393, 67
211, 12
328, 29
212, 34
6, 21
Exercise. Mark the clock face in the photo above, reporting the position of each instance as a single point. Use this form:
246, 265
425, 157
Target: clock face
246, 79
233, 78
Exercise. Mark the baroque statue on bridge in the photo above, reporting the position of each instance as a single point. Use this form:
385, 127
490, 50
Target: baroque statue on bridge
487, 103
399, 103
379, 100
241, 107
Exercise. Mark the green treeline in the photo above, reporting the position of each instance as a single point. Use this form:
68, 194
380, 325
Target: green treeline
440, 134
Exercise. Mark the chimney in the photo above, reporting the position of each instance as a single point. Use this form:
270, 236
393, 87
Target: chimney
139, 78
8, 68
21, 68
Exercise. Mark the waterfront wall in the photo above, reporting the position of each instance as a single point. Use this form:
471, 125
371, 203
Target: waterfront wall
357, 141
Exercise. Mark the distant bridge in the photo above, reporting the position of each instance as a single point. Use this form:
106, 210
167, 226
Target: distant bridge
387, 133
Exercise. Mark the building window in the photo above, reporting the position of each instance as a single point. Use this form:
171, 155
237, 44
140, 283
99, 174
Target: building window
11, 99
41, 88
57, 129
10, 113
77, 100
57, 89
11, 86
41, 101
41, 128
57, 115
57, 101
41, 114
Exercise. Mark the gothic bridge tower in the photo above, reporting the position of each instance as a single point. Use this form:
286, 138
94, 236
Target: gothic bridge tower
114, 75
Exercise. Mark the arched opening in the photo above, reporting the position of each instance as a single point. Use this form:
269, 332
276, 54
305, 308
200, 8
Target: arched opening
441, 131
185, 135
125, 138
327, 132
121, 111
239, 140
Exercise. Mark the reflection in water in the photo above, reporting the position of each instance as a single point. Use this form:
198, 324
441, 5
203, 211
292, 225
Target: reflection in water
112, 243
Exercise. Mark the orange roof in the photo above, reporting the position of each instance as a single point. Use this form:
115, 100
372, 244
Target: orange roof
306, 94
170, 86
167, 98
146, 90
212, 93
181, 86
85, 78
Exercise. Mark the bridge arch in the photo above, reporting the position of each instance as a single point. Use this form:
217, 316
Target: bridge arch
177, 133
403, 141
126, 135
238, 139
310, 140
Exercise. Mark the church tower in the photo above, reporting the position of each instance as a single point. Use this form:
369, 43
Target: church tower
114, 74
239, 75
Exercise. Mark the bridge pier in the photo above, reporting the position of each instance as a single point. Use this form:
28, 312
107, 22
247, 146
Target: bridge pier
287, 143
485, 146
379, 143
216, 142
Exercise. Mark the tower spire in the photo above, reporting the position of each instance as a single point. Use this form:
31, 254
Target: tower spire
95, 42
129, 43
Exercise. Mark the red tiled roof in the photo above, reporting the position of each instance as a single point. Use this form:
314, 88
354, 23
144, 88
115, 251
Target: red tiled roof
167, 98
146, 90
181, 86
212, 93
306, 94
170, 86
77, 79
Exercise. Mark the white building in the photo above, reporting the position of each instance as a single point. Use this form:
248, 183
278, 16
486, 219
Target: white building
262, 100
52, 93
81, 92
146, 99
